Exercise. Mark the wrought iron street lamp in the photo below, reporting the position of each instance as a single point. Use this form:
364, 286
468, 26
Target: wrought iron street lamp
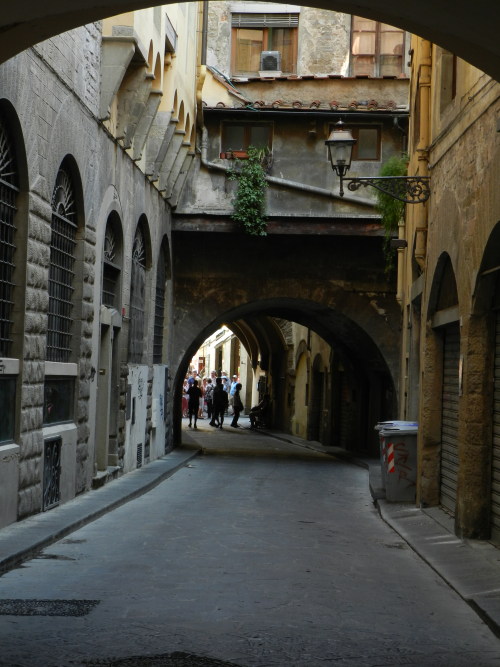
408, 189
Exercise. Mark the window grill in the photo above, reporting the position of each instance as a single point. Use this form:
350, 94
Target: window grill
137, 298
8, 196
61, 274
52, 473
159, 310
264, 20
111, 270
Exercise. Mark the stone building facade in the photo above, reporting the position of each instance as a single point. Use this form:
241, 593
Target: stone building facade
87, 187
448, 289
323, 251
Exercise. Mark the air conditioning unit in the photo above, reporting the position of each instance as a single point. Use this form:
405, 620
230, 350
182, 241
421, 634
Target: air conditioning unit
270, 63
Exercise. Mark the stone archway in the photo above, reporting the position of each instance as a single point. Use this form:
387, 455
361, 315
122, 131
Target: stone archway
472, 35
370, 373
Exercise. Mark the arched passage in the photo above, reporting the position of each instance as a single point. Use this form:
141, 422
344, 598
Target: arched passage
472, 35
373, 381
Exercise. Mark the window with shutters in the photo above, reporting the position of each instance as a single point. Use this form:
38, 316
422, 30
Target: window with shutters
376, 48
137, 297
61, 269
254, 33
8, 196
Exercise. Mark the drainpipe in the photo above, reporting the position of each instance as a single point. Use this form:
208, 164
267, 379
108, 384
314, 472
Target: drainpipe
204, 32
284, 182
424, 85
201, 62
400, 263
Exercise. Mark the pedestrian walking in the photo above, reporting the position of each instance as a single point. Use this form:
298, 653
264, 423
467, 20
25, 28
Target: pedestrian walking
209, 395
220, 401
232, 389
237, 406
185, 398
194, 393
202, 390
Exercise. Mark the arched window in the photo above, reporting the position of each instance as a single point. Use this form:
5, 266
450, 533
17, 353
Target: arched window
137, 297
112, 263
8, 196
61, 270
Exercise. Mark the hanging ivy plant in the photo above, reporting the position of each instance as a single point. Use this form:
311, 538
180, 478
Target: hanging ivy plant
249, 202
392, 210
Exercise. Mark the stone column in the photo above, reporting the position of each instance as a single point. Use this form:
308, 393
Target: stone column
472, 517
429, 434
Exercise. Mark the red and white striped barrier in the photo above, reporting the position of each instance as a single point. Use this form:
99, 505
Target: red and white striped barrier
390, 458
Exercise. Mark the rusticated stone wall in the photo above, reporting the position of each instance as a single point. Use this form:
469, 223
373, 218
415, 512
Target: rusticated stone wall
51, 93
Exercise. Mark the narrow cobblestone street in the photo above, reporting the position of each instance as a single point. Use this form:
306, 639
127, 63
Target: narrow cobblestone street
252, 560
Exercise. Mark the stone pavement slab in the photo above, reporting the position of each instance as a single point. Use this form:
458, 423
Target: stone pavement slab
21, 540
471, 568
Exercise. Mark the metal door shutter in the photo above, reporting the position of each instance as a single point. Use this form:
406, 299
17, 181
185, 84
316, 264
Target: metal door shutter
449, 418
495, 462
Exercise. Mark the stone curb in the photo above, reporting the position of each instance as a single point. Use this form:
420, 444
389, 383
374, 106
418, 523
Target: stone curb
471, 568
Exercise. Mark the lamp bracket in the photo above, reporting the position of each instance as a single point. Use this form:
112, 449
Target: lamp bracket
408, 189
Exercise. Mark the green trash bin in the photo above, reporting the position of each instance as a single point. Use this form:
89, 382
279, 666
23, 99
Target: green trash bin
398, 452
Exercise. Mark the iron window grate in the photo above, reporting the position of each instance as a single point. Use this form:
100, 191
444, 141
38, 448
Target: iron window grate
110, 278
61, 274
8, 196
52, 473
137, 298
159, 311
111, 270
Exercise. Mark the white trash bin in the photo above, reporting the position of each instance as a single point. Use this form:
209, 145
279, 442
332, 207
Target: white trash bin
398, 460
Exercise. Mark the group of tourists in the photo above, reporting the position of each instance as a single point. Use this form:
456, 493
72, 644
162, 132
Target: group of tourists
215, 394
219, 396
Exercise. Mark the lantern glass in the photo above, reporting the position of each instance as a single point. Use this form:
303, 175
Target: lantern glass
340, 144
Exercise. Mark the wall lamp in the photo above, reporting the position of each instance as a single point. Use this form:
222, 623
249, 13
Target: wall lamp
408, 189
